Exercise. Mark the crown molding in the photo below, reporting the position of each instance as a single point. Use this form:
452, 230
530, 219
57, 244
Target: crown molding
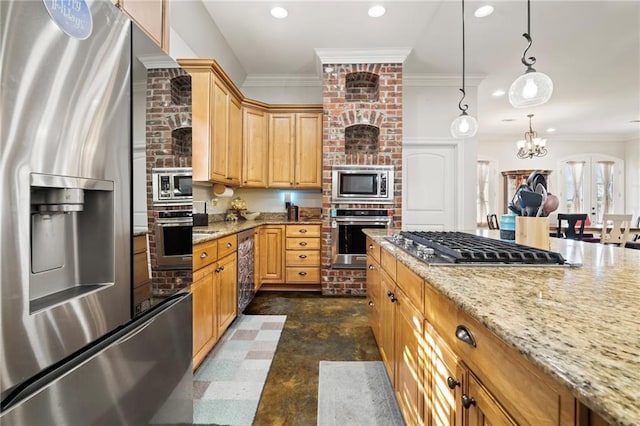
441, 80
363, 56
157, 61
264, 80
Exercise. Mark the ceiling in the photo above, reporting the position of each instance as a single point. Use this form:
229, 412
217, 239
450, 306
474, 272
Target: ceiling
591, 50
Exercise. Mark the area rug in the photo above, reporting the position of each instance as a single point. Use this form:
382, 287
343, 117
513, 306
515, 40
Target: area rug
228, 384
356, 393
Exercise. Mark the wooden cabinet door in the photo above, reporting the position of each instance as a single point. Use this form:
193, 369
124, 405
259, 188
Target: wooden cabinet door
308, 150
408, 354
387, 322
443, 407
484, 409
201, 107
374, 298
281, 150
272, 254
255, 152
152, 16
203, 316
219, 132
226, 291
234, 151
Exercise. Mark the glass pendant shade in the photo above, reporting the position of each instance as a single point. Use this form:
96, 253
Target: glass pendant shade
464, 126
530, 89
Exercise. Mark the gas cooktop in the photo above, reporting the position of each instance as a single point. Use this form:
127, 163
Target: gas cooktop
460, 248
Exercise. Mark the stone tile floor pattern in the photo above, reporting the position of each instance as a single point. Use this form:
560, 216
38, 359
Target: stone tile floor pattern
228, 384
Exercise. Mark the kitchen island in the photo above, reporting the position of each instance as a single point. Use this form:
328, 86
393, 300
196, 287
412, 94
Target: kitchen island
580, 326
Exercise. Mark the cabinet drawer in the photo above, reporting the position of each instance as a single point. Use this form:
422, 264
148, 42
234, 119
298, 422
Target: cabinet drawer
303, 275
227, 245
373, 249
140, 244
442, 314
303, 230
204, 254
140, 269
303, 243
411, 284
388, 263
303, 258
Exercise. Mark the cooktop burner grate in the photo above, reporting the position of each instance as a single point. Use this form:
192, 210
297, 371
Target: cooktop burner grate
460, 247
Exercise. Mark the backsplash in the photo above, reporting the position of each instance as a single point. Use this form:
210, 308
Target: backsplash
260, 200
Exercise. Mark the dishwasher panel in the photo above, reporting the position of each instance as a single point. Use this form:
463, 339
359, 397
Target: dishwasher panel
246, 269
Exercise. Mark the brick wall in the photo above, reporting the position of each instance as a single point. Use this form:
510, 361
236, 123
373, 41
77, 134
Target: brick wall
168, 140
365, 99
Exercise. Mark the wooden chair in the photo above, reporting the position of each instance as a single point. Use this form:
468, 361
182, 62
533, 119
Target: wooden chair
570, 231
615, 234
492, 221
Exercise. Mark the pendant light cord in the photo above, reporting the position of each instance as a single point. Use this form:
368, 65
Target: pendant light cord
531, 59
462, 107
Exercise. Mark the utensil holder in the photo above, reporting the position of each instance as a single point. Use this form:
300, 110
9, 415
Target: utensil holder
533, 232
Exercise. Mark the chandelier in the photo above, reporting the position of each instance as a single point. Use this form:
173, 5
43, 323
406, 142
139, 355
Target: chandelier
531, 146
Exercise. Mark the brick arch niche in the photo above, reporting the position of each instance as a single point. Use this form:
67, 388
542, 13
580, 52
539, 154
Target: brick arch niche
362, 86
361, 139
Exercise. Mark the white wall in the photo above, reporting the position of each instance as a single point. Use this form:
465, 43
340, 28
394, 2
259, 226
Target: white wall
199, 37
284, 94
632, 182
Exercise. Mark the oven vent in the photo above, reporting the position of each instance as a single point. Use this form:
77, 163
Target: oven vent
361, 139
362, 87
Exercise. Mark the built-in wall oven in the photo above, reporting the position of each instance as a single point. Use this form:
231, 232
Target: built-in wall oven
173, 239
348, 242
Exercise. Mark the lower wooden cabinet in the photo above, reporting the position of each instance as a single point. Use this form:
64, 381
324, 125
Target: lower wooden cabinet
214, 293
141, 279
480, 407
271, 254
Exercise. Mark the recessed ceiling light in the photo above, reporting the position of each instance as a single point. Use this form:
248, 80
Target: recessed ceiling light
498, 93
376, 11
506, 120
483, 11
551, 129
279, 12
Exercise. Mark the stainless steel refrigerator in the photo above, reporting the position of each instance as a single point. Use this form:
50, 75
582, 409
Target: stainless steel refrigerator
69, 351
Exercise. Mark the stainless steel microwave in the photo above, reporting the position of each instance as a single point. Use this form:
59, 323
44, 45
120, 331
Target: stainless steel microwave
172, 186
362, 184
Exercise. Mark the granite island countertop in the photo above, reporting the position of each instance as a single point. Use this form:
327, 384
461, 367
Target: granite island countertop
580, 325
215, 230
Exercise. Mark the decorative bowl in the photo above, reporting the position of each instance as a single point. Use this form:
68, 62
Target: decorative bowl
250, 215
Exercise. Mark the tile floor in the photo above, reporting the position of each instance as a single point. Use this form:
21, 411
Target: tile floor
228, 384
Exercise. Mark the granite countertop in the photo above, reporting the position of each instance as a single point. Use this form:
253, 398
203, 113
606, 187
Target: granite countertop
140, 231
580, 325
222, 229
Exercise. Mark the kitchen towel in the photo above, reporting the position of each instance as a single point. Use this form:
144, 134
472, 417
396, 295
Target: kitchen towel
356, 393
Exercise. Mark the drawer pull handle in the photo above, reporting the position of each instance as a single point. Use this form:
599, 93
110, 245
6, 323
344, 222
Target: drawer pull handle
372, 267
465, 335
467, 402
452, 383
303, 256
303, 243
370, 246
229, 245
302, 273
303, 231
203, 255
371, 303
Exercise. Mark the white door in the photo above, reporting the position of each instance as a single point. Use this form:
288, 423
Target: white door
592, 184
429, 187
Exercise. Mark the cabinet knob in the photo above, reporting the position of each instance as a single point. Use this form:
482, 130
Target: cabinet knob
229, 245
229, 178
389, 293
303, 243
371, 303
463, 333
372, 267
452, 383
217, 269
392, 296
303, 256
222, 268
467, 401
370, 246
203, 255
303, 273
303, 231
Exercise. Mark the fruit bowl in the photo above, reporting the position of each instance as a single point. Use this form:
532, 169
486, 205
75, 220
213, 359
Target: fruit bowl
250, 215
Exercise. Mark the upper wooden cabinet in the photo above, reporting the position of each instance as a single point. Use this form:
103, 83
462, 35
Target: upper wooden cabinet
295, 150
255, 146
152, 16
216, 123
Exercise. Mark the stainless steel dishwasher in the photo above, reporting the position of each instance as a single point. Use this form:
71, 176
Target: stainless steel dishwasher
246, 268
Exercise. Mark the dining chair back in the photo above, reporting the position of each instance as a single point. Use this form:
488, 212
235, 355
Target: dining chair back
615, 234
570, 231
492, 221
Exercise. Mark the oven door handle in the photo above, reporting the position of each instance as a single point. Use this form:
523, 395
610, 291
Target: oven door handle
176, 223
363, 222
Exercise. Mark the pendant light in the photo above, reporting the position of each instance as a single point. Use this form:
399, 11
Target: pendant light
532, 88
465, 125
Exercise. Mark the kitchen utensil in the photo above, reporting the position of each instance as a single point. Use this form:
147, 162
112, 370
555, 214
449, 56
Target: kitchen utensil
530, 202
536, 178
550, 204
540, 189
